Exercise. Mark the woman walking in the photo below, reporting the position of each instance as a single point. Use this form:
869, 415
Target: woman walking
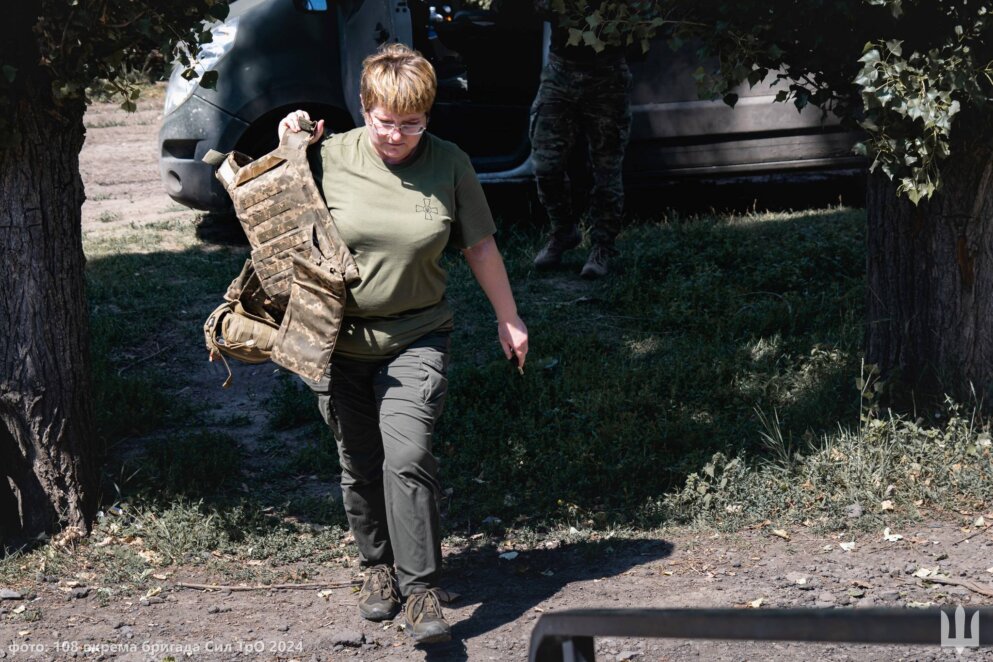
399, 196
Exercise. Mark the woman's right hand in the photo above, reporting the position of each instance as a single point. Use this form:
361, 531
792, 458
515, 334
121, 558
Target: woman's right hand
292, 123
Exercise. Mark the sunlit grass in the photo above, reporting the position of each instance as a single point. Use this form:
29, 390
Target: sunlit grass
713, 381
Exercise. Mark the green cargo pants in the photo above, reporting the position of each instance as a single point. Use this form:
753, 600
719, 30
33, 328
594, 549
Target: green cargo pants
382, 415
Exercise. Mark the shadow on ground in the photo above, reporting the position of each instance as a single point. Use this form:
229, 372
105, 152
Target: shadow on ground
505, 591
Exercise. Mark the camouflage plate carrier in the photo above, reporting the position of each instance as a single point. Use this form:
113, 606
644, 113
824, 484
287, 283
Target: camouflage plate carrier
301, 263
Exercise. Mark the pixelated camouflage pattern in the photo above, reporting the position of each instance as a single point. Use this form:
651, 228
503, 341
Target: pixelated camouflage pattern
245, 326
299, 260
277, 202
309, 330
574, 100
247, 290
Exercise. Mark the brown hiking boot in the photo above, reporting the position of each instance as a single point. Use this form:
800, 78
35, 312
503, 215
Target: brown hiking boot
379, 599
424, 620
551, 255
597, 264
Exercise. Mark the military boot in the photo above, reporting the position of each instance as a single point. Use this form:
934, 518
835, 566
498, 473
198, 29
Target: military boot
379, 599
598, 262
424, 620
551, 255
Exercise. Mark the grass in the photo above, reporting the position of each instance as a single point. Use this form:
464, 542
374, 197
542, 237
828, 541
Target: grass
890, 468
146, 304
197, 464
104, 123
635, 382
291, 405
717, 381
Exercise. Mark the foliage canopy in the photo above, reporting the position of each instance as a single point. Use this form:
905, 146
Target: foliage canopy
609, 23
901, 69
71, 47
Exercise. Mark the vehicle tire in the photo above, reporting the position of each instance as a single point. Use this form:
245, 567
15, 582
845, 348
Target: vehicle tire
220, 228
261, 137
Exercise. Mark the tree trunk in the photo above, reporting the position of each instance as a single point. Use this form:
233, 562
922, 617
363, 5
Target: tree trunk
47, 462
930, 272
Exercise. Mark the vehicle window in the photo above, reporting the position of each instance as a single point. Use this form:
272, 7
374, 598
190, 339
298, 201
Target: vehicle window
311, 5
488, 56
474, 44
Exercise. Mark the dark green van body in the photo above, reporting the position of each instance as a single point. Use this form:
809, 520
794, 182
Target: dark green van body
286, 54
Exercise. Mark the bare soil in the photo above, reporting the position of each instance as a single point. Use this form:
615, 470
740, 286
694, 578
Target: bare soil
500, 599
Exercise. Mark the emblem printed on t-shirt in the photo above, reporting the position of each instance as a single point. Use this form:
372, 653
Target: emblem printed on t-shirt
428, 209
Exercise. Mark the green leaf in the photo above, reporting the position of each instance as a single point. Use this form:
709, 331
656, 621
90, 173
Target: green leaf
871, 56
594, 42
869, 125
575, 37
9, 72
209, 80
129, 106
594, 20
756, 76
219, 11
731, 99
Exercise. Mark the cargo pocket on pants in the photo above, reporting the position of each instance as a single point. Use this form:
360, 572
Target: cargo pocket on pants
434, 377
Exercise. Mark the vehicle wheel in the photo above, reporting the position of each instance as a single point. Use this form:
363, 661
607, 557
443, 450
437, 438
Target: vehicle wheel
260, 138
220, 228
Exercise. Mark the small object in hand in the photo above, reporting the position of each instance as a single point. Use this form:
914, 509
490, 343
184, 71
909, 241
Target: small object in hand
517, 363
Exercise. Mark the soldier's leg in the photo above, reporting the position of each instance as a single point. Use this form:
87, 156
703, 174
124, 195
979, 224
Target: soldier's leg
607, 123
347, 402
411, 392
554, 124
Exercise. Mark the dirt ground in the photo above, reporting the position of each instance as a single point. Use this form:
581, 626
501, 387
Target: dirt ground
501, 599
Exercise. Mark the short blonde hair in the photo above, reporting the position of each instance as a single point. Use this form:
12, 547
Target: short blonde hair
399, 79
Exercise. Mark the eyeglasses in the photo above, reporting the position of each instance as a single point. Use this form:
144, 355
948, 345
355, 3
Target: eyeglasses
389, 128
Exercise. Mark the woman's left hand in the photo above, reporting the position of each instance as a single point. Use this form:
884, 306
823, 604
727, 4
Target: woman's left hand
487, 266
513, 338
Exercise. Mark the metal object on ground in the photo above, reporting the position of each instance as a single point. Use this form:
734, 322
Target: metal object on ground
567, 636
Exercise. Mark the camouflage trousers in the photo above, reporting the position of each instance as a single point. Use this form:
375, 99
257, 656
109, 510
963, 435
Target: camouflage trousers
574, 101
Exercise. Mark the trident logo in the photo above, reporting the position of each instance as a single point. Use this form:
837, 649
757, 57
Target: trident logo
959, 641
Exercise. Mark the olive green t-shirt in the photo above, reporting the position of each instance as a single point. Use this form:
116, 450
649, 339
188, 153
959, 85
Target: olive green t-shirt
397, 221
